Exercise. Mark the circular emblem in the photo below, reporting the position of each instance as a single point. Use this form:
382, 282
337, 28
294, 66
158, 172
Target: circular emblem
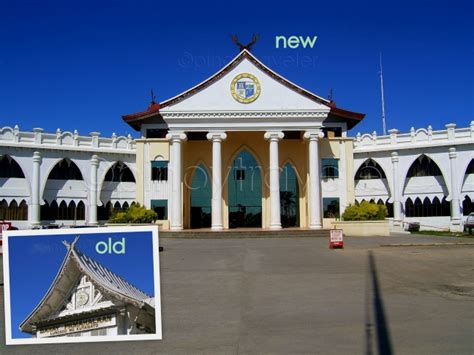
82, 299
245, 88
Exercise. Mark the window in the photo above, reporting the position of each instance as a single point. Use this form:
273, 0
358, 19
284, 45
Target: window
159, 170
119, 172
9, 168
370, 170
331, 207
161, 208
330, 168
423, 166
65, 170
239, 174
156, 133
331, 132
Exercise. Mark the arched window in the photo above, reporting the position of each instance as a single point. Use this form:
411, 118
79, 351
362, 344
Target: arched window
423, 166
9, 168
62, 211
65, 170
201, 191
467, 206
245, 192
470, 168
81, 211
409, 208
289, 197
119, 172
3, 209
370, 170
125, 206
23, 211
418, 206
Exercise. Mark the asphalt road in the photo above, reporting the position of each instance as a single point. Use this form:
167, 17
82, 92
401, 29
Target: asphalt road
287, 296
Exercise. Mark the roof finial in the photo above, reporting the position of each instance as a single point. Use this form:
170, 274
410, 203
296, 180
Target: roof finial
249, 45
153, 97
73, 244
330, 96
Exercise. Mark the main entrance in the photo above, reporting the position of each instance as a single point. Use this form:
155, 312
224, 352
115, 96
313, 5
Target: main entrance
245, 192
201, 198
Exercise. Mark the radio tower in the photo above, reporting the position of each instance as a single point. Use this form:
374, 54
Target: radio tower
384, 124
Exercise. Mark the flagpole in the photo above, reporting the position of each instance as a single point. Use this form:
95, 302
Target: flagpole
384, 125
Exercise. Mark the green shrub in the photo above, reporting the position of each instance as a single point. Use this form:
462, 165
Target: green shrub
365, 211
134, 214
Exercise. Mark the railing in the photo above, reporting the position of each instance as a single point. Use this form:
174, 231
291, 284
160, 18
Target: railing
13, 136
415, 137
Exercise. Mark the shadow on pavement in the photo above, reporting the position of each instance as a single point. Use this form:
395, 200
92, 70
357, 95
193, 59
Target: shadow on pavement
375, 313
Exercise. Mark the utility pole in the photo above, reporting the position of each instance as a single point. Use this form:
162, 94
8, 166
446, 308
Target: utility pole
384, 124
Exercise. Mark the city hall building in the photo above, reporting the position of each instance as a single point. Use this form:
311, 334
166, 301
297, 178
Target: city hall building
244, 148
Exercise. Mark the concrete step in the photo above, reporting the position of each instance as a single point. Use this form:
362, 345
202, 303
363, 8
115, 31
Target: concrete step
246, 233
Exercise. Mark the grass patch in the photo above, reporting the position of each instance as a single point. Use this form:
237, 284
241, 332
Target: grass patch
444, 234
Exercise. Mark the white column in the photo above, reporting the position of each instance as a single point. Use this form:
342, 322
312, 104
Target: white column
176, 217
455, 203
275, 218
315, 219
93, 191
216, 203
395, 193
343, 186
36, 189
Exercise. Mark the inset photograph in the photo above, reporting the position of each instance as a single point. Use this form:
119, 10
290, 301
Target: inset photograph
71, 285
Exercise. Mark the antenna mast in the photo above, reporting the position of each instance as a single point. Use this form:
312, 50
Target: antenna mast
384, 125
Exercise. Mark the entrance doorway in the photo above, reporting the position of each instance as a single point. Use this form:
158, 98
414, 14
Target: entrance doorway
201, 192
245, 192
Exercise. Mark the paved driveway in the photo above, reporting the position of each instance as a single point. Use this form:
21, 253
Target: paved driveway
286, 296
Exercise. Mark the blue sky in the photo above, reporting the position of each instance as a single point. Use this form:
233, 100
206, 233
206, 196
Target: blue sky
35, 261
80, 65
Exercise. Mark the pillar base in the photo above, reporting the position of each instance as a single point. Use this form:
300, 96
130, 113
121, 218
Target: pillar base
456, 225
218, 227
316, 226
176, 228
275, 226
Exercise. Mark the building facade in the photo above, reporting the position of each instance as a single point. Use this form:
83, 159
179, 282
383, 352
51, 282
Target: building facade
63, 177
244, 148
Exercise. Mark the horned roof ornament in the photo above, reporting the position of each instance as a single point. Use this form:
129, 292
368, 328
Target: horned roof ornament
249, 45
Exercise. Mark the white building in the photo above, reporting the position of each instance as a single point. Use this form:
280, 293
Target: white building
425, 176
63, 177
294, 142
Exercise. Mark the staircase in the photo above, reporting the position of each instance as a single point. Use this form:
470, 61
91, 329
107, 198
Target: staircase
245, 233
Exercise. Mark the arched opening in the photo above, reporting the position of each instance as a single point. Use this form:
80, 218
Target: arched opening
119, 172
467, 206
245, 192
201, 194
65, 169
370, 170
9, 168
289, 197
427, 208
13, 211
423, 166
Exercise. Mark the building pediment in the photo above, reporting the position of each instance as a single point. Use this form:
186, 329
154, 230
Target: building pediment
244, 89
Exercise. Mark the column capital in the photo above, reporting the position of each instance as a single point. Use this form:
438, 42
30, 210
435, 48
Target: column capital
36, 157
394, 157
216, 136
95, 160
452, 153
176, 136
273, 136
313, 135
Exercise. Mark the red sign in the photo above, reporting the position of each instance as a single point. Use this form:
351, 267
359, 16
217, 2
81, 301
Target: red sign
4, 226
336, 239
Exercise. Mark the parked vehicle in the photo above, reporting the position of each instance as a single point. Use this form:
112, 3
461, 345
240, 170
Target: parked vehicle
469, 224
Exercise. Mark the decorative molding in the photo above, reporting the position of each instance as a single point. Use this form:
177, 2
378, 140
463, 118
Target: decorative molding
244, 115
